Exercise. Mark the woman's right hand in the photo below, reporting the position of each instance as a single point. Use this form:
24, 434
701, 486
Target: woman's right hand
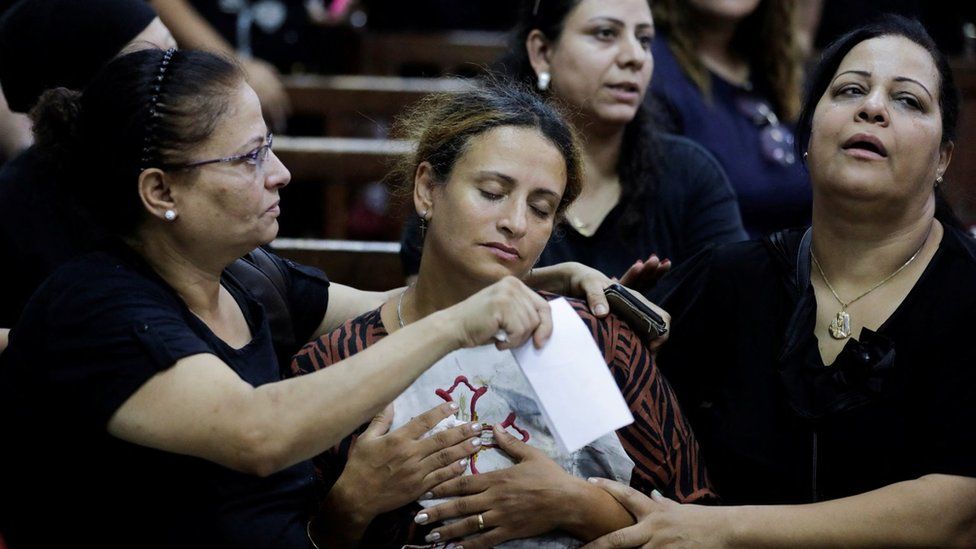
389, 469
507, 305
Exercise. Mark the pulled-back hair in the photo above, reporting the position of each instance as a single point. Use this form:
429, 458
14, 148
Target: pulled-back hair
444, 124
833, 55
106, 135
637, 165
766, 38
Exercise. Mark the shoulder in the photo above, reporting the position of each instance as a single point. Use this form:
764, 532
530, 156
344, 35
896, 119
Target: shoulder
680, 157
351, 337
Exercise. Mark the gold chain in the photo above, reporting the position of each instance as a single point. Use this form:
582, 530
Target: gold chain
876, 286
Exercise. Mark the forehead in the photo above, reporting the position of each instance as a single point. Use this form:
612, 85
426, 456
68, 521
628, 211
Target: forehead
240, 122
888, 57
636, 11
523, 154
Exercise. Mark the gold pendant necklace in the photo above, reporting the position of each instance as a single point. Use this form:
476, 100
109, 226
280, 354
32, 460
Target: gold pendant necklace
840, 326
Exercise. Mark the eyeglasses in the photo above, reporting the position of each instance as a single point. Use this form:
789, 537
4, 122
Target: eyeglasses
775, 140
255, 157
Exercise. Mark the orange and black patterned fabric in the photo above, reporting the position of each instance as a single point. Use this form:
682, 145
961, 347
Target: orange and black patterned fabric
659, 441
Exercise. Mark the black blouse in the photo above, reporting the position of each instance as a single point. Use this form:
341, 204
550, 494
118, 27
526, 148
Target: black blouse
778, 426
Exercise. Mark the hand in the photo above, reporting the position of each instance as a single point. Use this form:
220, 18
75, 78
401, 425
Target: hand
266, 81
643, 275
507, 305
575, 280
398, 467
525, 500
662, 522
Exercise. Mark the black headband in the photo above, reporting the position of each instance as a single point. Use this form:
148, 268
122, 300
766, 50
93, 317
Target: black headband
149, 140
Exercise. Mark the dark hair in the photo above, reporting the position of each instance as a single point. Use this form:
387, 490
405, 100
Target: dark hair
833, 55
443, 125
102, 134
636, 166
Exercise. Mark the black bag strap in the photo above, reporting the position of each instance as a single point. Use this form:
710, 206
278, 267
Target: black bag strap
264, 278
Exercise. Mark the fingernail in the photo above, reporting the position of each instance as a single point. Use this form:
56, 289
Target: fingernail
592, 480
427, 495
421, 518
476, 442
601, 309
463, 462
656, 495
454, 406
433, 536
477, 426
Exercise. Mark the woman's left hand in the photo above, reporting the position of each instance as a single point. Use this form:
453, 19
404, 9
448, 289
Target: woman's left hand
525, 500
662, 522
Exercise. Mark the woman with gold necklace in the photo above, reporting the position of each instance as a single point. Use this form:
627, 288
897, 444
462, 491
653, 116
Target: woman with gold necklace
647, 197
828, 372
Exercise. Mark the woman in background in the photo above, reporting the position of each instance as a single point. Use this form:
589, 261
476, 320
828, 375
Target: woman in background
729, 78
648, 199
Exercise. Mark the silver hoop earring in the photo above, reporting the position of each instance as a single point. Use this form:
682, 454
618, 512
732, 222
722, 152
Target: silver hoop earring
544, 78
170, 215
805, 155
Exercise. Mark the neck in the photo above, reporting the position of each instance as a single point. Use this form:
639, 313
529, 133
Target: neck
436, 288
716, 53
856, 249
195, 278
601, 153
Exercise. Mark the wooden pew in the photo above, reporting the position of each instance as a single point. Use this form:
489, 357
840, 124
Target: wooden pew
362, 265
361, 104
961, 176
434, 54
338, 163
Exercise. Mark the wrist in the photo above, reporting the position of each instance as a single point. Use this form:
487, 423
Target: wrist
590, 512
343, 516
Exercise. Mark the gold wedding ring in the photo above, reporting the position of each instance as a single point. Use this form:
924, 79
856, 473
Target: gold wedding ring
481, 522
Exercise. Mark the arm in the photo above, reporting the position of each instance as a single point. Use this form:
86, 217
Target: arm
194, 32
346, 302
4, 337
931, 511
200, 407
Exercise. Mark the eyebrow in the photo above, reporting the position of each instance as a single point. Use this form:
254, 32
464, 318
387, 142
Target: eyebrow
618, 22
867, 74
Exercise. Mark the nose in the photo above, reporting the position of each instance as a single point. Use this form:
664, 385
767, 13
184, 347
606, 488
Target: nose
874, 109
276, 175
632, 52
513, 223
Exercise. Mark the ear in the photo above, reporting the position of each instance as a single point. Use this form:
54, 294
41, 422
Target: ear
945, 156
424, 187
155, 192
539, 50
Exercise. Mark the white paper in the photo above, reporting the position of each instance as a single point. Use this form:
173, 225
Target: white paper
579, 398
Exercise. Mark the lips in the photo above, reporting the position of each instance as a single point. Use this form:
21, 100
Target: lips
865, 144
503, 251
629, 87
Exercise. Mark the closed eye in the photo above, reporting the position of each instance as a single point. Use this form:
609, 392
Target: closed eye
490, 195
540, 213
910, 101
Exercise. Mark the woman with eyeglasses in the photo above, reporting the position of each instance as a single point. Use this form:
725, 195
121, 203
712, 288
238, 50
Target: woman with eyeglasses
141, 403
729, 78
649, 199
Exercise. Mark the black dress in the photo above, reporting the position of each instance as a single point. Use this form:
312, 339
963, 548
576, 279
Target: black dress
92, 335
694, 206
774, 423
